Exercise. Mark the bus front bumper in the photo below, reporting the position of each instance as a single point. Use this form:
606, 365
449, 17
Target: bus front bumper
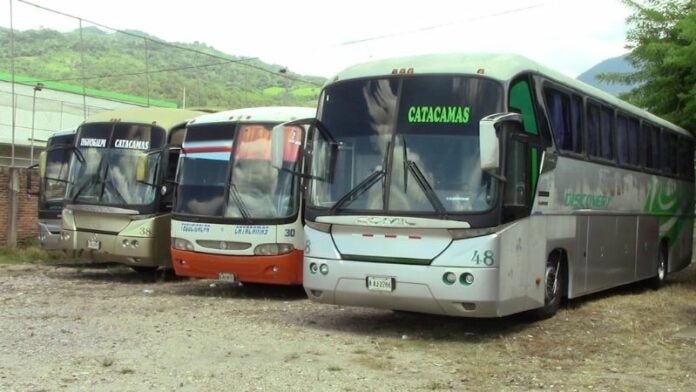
415, 288
101, 248
282, 269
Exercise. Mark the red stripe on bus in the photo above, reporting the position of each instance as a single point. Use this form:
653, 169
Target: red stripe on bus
414, 237
368, 235
390, 236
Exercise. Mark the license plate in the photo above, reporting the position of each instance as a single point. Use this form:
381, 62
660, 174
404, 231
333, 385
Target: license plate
375, 283
227, 277
93, 244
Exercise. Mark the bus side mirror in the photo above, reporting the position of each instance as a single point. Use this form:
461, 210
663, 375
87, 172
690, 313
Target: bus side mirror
489, 139
277, 145
287, 142
142, 169
42, 164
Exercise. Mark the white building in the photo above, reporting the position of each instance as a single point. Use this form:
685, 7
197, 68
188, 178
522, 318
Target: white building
43, 110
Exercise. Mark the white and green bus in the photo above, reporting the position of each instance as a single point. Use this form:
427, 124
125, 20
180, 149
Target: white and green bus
120, 185
484, 185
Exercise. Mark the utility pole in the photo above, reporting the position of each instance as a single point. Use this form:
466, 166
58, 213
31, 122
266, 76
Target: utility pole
38, 87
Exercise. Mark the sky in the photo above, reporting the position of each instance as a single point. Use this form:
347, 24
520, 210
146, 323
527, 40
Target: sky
323, 37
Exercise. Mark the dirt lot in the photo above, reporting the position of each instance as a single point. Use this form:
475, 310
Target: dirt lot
112, 329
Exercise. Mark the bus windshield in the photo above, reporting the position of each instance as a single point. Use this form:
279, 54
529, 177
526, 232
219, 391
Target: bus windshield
106, 175
226, 172
57, 158
406, 144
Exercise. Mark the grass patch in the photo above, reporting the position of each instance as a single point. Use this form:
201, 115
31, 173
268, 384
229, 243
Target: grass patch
334, 369
28, 254
127, 371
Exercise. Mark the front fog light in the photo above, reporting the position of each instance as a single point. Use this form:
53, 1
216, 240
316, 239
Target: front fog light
313, 268
135, 243
449, 278
125, 243
466, 279
181, 244
324, 269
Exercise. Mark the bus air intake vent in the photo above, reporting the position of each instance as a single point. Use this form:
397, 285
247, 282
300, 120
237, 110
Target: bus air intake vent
223, 245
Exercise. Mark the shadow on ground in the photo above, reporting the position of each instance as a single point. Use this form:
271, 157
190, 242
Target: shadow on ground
214, 288
112, 273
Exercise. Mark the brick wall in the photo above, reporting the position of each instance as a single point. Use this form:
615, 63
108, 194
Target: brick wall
27, 215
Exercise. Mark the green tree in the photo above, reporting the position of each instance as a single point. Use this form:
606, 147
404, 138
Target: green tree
662, 40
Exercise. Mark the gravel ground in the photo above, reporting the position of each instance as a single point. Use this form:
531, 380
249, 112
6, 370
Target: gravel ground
113, 329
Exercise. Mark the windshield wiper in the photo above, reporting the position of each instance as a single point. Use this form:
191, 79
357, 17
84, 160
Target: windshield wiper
364, 185
237, 198
94, 179
422, 182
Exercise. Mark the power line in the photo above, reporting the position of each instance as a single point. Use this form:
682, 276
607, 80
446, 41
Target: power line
437, 26
160, 42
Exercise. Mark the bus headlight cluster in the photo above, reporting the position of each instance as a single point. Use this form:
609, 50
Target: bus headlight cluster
466, 279
450, 278
273, 249
130, 244
323, 268
181, 244
64, 235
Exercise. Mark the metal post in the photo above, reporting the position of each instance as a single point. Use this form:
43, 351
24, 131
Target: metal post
14, 96
82, 71
38, 87
13, 208
147, 71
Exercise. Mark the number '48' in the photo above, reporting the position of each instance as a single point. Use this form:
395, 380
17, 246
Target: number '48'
485, 258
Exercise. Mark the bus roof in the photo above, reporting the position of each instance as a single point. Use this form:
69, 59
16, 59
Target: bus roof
166, 118
258, 114
501, 67
63, 132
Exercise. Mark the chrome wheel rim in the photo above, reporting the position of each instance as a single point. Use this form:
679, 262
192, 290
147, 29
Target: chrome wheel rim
551, 279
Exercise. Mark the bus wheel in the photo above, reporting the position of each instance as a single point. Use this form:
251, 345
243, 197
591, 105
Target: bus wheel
658, 280
142, 269
554, 282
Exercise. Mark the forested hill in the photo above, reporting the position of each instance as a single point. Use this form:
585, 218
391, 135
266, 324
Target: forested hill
207, 81
613, 65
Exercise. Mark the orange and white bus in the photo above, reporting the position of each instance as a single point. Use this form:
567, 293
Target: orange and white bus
236, 217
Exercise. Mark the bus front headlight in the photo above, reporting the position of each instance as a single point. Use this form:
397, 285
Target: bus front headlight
181, 244
273, 249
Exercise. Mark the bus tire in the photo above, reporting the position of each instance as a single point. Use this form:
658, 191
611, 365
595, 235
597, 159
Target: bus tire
554, 286
658, 281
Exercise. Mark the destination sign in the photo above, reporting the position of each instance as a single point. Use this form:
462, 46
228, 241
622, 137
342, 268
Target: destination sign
439, 114
132, 144
91, 142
